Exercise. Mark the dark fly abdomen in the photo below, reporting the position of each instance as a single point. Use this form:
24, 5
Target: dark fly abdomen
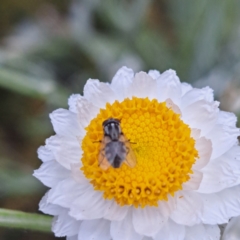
117, 162
115, 153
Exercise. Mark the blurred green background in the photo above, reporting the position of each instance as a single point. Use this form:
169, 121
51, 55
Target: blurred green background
48, 49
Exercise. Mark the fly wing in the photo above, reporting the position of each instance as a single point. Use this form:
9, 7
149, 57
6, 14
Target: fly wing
102, 160
130, 159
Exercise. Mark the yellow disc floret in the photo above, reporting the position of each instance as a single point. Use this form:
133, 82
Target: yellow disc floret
163, 146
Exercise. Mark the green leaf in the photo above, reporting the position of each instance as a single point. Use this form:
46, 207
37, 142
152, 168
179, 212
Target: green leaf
41, 88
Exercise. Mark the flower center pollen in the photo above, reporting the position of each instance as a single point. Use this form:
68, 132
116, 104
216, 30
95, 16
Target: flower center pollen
161, 142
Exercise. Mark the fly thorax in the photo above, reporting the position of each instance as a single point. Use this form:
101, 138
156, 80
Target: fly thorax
113, 130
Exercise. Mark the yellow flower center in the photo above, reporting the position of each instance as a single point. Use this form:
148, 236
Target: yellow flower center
164, 150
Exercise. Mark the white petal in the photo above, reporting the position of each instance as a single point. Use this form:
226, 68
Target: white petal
221, 206
214, 209
49, 208
195, 133
185, 87
204, 148
98, 93
143, 86
124, 229
194, 182
167, 207
65, 123
64, 225
212, 231
78, 175
201, 115
147, 221
66, 192
171, 231
169, 86
98, 229
188, 209
222, 172
154, 74
223, 138
75, 237
196, 95
66, 150
89, 206
227, 118
86, 112
121, 82
232, 230
73, 102
170, 104
202, 232
50, 173
45, 154
114, 212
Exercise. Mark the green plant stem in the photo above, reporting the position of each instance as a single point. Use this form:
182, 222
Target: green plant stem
27, 221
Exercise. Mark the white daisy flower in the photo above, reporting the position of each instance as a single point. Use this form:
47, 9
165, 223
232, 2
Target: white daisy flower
187, 173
